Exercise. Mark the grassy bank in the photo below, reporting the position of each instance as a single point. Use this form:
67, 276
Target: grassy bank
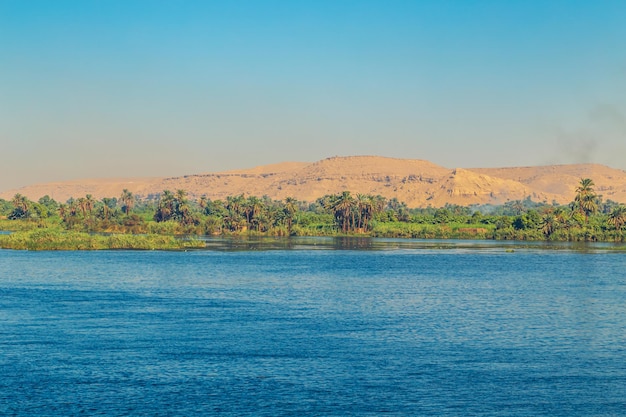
53, 239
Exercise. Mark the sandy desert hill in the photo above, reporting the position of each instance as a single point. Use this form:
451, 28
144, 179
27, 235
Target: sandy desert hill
419, 183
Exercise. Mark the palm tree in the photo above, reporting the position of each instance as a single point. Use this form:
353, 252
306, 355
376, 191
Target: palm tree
365, 209
234, 204
89, 203
20, 202
617, 217
128, 201
182, 210
549, 224
586, 198
252, 206
585, 186
261, 221
400, 209
107, 205
165, 208
21, 206
290, 207
82, 205
342, 205
378, 205
62, 211
181, 195
72, 207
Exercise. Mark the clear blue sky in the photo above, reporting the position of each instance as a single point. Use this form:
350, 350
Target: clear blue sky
149, 88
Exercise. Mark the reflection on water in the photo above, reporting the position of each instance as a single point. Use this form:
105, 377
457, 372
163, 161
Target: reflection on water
262, 243
368, 243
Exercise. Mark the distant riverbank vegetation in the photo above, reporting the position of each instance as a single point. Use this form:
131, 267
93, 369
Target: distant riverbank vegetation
128, 222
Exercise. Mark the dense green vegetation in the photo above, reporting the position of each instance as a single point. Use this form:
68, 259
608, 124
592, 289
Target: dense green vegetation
151, 223
54, 239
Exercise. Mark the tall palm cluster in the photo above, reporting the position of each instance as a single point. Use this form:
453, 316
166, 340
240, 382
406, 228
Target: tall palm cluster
240, 213
21, 207
586, 204
354, 214
175, 207
88, 212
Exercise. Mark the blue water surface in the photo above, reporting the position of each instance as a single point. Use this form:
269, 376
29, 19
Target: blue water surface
455, 331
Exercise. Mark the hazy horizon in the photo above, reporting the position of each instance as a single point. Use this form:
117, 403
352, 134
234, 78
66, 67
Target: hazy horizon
161, 88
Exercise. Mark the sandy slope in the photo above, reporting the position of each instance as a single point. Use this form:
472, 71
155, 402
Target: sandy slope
418, 183
561, 180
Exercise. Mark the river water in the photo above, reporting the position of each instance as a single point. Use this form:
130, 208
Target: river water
377, 328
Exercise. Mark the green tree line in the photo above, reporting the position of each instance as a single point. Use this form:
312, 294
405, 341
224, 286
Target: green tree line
586, 218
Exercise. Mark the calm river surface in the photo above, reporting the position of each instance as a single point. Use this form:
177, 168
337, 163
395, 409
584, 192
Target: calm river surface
378, 328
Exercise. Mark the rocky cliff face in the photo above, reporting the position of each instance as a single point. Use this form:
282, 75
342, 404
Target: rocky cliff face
418, 183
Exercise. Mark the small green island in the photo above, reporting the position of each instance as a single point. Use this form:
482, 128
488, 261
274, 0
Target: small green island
172, 221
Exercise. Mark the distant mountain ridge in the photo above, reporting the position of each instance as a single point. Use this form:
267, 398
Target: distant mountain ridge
418, 183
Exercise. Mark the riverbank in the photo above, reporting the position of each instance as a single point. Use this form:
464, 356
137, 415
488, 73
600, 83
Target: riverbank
58, 240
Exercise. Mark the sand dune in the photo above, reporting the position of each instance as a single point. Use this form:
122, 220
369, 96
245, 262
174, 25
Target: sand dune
419, 183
